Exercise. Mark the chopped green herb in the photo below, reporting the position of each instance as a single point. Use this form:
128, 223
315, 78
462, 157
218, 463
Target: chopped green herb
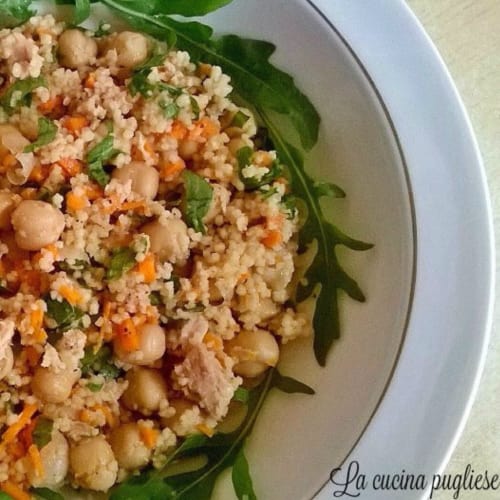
122, 260
196, 201
267, 193
195, 108
100, 362
42, 432
139, 82
19, 93
244, 157
103, 29
63, 313
155, 298
45, 194
170, 110
47, 131
241, 394
94, 387
97, 158
239, 119
46, 494
289, 202
173, 91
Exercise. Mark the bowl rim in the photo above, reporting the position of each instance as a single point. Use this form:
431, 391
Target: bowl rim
343, 19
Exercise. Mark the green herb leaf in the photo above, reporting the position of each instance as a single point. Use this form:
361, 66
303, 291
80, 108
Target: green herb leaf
47, 131
42, 433
63, 313
139, 83
245, 61
239, 119
195, 108
4, 496
155, 299
97, 158
102, 30
46, 494
14, 12
170, 110
122, 260
196, 200
244, 156
241, 394
220, 451
242, 482
325, 276
94, 387
82, 11
290, 385
182, 7
99, 362
21, 91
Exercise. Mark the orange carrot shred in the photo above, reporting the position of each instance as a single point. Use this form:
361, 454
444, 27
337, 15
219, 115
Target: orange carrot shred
127, 336
14, 491
75, 124
149, 436
36, 460
70, 166
272, 239
147, 268
178, 130
50, 105
23, 420
170, 170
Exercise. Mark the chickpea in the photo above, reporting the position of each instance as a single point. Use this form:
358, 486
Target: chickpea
55, 462
175, 421
151, 346
36, 224
7, 205
128, 447
146, 390
131, 48
145, 179
11, 139
169, 241
51, 386
6, 362
188, 148
76, 49
254, 351
93, 464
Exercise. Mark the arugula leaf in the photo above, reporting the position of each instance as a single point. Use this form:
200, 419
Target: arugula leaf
82, 11
4, 496
14, 12
242, 482
196, 200
46, 494
63, 313
47, 131
122, 260
99, 362
246, 61
290, 385
244, 156
21, 90
182, 7
139, 83
325, 269
97, 158
42, 432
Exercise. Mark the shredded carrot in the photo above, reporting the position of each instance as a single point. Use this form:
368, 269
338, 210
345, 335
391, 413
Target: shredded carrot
213, 341
178, 130
32, 355
36, 319
75, 124
127, 336
205, 128
51, 105
70, 166
106, 309
147, 268
74, 202
170, 170
131, 205
272, 238
149, 436
36, 460
93, 192
205, 430
39, 173
23, 420
89, 81
110, 418
84, 416
29, 193
16, 449
72, 295
14, 491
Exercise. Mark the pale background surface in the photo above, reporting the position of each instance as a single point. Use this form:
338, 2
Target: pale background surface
467, 34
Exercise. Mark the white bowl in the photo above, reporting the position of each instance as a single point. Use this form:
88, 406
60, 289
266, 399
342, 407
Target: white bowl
398, 384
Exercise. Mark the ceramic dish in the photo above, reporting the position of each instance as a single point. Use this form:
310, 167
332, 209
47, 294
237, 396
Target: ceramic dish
398, 385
